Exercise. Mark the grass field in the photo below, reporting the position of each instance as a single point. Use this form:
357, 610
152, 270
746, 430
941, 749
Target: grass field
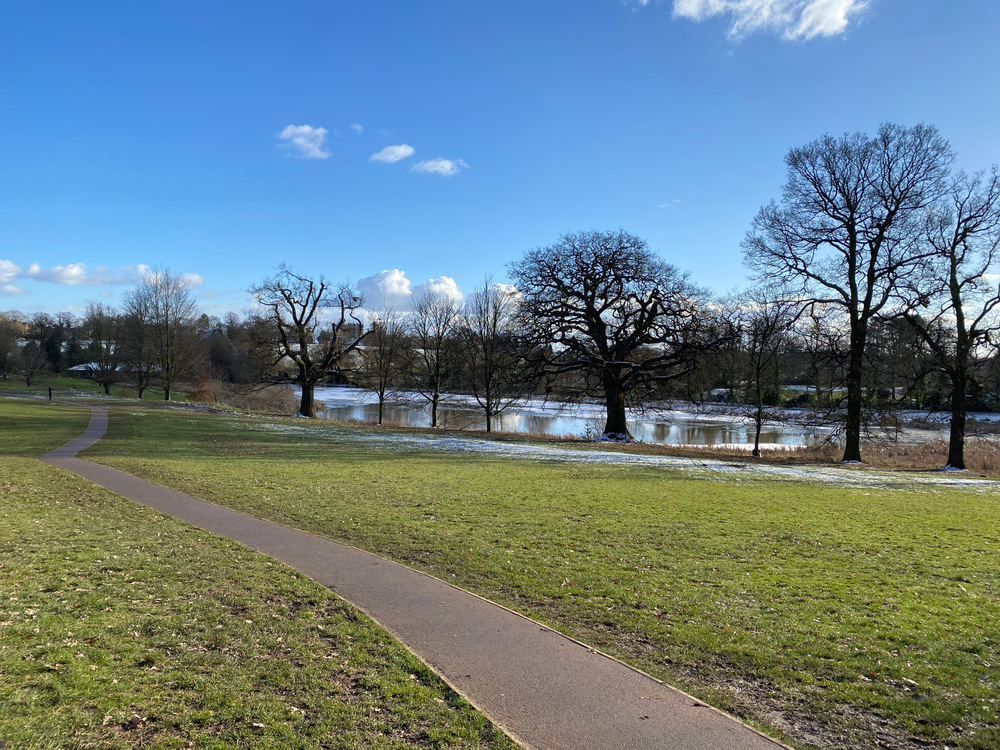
122, 628
66, 387
837, 617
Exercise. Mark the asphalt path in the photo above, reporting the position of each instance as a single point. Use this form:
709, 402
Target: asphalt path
545, 690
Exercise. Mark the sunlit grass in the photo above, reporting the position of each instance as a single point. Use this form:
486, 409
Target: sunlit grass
122, 628
846, 615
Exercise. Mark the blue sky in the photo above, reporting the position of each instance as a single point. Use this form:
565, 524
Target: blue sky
149, 134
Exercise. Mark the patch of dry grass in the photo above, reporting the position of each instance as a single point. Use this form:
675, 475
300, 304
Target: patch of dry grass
271, 399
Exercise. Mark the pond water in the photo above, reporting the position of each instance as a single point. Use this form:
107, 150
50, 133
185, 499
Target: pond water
671, 427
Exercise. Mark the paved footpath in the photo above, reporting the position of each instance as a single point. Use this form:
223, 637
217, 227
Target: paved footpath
545, 690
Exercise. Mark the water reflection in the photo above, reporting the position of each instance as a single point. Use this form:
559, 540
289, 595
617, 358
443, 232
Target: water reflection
340, 404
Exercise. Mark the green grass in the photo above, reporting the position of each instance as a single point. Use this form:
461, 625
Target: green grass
67, 387
839, 617
122, 628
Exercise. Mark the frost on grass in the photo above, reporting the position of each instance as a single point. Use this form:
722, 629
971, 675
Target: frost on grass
695, 467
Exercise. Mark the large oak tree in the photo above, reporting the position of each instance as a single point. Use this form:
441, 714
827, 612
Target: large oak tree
607, 307
314, 324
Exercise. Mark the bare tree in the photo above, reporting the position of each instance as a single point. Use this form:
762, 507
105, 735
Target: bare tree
494, 354
241, 354
763, 318
11, 328
953, 307
383, 355
297, 306
173, 311
138, 354
104, 328
815, 357
31, 363
614, 312
849, 227
433, 323
49, 333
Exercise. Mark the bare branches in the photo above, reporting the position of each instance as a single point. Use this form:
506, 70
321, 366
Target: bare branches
496, 366
849, 229
601, 303
316, 325
432, 325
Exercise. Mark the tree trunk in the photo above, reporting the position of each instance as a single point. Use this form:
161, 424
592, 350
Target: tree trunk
307, 406
489, 420
956, 441
107, 389
434, 410
616, 426
852, 441
381, 408
141, 389
166, 393
758, 420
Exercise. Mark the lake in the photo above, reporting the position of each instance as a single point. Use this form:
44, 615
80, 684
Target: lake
668, 426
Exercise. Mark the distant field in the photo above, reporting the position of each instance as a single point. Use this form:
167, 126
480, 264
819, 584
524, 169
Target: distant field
64, 386
839, 617
120, 628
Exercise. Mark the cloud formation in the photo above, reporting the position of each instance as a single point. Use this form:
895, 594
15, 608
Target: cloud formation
386, 288
445, 167
392, 154
392, 288
76, 274
791, 19
357, 128
305, 141
442, 286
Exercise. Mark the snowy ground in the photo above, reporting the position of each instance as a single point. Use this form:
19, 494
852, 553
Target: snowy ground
703, 468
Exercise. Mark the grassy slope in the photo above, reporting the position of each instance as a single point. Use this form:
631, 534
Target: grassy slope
839, 616
122, 628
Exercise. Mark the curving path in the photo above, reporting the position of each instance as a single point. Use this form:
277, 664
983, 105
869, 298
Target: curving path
545, 690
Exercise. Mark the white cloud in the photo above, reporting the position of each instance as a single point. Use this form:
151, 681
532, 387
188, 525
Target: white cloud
8, 271
357, 128
384, 131
306, 140
443, 286
446, 167
9, 290
71, 275
386, 288
792, 19
991, 277
105, 293
76, 274
392, 154
392, 288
